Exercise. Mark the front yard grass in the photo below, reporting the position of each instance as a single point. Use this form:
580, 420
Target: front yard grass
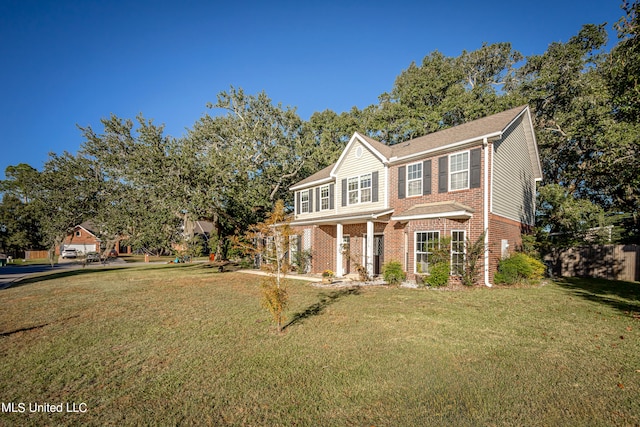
170, 345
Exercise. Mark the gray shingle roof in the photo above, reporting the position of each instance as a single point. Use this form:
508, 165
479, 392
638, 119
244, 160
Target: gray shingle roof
437, 208
468, 131
474, 129
321, 174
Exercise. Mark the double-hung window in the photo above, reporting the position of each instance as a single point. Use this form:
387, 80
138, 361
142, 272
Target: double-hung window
426, 243
459, 171
365, 188
353, 190
457, 252
414, 179
359, 189
324, 197
304, 201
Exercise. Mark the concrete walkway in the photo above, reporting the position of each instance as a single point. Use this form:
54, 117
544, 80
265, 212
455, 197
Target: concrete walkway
289, 276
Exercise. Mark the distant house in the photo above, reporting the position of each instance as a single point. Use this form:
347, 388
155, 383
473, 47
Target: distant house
195, 229
379, 203
84, 239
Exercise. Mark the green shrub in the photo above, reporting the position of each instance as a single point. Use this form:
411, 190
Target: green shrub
519, 268
392, 273
302, 261
438, 274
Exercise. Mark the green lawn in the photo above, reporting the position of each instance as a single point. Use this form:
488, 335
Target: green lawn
183, 345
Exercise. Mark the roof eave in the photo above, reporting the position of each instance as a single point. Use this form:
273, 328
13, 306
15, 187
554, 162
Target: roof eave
342, 220
312, 184
463, 214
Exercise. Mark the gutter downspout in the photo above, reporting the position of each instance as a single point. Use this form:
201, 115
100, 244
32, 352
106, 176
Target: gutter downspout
485, 146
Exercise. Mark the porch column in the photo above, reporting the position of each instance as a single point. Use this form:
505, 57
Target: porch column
339, 238
369, 254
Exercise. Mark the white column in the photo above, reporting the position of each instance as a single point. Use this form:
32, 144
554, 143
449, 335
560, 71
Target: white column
339, 238
370, 248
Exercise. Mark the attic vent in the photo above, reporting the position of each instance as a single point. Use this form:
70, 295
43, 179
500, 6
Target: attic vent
358, 152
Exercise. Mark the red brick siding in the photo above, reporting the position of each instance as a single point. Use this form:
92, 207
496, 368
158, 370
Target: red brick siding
85, 238
323, 237
472, 197
503, 228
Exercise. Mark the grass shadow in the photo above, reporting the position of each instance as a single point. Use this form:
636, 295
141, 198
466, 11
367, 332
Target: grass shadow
317, 308
59, 275
622, 296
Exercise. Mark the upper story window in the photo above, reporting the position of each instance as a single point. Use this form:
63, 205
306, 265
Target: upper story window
359, 189
324, 197
304, 202
459, 171
414, 179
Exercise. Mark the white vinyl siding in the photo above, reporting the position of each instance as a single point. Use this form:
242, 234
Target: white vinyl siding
513, 189
353, 169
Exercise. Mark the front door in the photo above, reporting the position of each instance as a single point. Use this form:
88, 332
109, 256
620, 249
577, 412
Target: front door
378, 254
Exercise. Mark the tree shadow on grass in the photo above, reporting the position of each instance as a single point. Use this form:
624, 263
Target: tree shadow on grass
622, 296
58, 275
317, 308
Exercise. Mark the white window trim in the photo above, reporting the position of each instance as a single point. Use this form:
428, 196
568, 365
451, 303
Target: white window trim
302, 202
450, 172
325, 198
464, 250
415, 179
415, 248
358, 178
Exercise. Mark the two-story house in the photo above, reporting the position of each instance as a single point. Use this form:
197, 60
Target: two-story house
379, 203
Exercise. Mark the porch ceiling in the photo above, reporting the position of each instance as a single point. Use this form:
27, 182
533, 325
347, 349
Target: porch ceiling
354, 218
453, 210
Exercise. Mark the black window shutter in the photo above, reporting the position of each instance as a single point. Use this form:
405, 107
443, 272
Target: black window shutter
317, 199
426, 177
311, 200
298, 202
475, 168
443, 175
374, 186
402, 181
344, 192
331, 196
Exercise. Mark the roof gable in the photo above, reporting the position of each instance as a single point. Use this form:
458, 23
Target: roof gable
88, 226
378, 149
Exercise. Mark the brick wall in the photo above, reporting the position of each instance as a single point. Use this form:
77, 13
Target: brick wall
80, 236
501, 228
395, 232
399, 238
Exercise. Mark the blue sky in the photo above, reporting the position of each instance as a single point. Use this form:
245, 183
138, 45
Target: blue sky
66, 63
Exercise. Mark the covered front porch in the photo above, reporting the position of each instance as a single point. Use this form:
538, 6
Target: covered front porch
342, 243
